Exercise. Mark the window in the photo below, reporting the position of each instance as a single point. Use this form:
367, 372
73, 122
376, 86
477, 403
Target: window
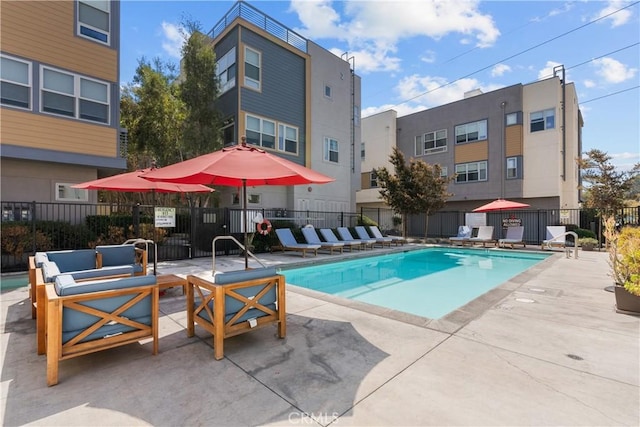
470, 132
15, 77
373, 181
228, 131
94, 20
511, 119
64, 192
74, 96
330, 150
431, 142
287, 139
469, 172
542, 120
512, 167
362, 151
251, 68
261, 132
327, 91
444, 171
226, 70
253, 198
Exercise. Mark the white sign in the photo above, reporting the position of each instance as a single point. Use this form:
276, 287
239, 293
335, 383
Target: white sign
165, 217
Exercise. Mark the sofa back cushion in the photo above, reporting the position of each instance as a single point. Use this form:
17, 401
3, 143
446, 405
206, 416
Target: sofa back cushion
73, 260
66, 285
39, 258
49, 271
243, 275
117, 254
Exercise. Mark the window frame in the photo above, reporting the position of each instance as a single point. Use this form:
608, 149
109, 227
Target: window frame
327, 150
480, 167
513, 160
542, 120
363, 151
76, 95
282, 139
250, 82
422, 141
29, 84
229, 83
463, 129
279, 137
373, 179
82, 192
80, 24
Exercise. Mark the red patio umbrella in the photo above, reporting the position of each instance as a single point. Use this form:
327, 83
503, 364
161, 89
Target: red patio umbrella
132, 182
238, 165
500, 205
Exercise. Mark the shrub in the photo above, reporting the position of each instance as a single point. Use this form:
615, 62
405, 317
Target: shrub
584, 233
624, 255
18, 239
366, 221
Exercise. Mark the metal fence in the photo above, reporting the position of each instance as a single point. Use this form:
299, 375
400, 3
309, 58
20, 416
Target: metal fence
31, 226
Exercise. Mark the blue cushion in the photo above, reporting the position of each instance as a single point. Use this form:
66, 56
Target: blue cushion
117, 254
101, 272
74, 260
49, 271
243, 275
64, 286
39, 258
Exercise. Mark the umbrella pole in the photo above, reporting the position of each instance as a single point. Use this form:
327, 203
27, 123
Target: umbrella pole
246, 223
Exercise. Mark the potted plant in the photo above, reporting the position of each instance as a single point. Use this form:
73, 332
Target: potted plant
587, 243
624, 259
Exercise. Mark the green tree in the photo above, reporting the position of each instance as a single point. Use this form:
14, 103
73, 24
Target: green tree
416, 187
199, 92
605, 186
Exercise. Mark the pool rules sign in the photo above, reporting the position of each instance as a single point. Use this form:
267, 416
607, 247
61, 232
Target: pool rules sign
165, 217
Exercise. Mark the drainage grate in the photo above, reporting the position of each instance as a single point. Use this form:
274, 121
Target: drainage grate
574, 357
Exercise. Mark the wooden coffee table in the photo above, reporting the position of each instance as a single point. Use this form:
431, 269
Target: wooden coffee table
165, 281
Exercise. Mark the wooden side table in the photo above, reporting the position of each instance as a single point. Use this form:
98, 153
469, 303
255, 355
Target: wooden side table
165, 281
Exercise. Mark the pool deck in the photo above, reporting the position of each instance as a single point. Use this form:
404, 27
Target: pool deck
546, 348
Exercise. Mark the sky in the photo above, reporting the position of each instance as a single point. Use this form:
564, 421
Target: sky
415, 55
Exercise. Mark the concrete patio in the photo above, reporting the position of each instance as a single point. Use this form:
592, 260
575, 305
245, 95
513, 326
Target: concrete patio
546, 348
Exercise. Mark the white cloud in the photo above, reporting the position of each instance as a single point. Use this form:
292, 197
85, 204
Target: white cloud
172, 39
589, 83
434, 91
428, 56
547, 71
625, 156
619, 18
375, 27
613, 71
402, 110
370, 59
499, 70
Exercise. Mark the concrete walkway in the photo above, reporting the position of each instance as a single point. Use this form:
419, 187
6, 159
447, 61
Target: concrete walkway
546, 348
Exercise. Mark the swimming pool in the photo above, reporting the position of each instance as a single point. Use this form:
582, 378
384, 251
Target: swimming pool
429, 282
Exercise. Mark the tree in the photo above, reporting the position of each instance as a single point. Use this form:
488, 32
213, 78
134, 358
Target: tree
606, 186
416, 187
199, 92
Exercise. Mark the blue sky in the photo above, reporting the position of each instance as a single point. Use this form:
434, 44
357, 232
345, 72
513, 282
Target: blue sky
414, 55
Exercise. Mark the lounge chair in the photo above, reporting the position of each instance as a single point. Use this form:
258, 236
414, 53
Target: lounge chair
329, 236
513, 237
484, 236
289, 243
312, 238
397, 240
464, 233
555, 237
346, 236
363, 235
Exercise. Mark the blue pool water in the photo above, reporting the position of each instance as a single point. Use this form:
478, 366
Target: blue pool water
430, 282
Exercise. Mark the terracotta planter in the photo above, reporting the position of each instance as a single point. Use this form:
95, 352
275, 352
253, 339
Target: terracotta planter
626, 302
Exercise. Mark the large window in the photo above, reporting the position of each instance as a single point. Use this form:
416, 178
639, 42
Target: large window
65, 193
74, 96
470, 172
330, 150
542, 120
470, 132
226, 70
15, 80
431, 142
94, 20
251, 68
287, 139
261, 132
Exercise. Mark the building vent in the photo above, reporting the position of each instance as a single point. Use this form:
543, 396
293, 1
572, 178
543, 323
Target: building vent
472, 93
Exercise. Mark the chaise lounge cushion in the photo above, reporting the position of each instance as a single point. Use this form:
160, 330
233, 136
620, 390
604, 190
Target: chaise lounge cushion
75, 322
232, 305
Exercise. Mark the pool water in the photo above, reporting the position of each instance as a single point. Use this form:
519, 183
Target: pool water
13, 281
430, 282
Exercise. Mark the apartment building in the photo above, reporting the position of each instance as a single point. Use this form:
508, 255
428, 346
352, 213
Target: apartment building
60, 98
293, 98
519, 143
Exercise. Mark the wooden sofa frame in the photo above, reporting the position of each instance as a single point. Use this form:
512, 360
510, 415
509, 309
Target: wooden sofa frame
207, 291
58, 351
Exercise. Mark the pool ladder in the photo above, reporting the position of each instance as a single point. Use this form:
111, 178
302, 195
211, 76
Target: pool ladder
567, 249
240, 245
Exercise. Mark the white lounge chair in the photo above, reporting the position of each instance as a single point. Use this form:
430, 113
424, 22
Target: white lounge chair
378, 234
288, 243
346, 236
555, 237
484, 236
464, 233
312, 238
513, 237
329, 236
363, 235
